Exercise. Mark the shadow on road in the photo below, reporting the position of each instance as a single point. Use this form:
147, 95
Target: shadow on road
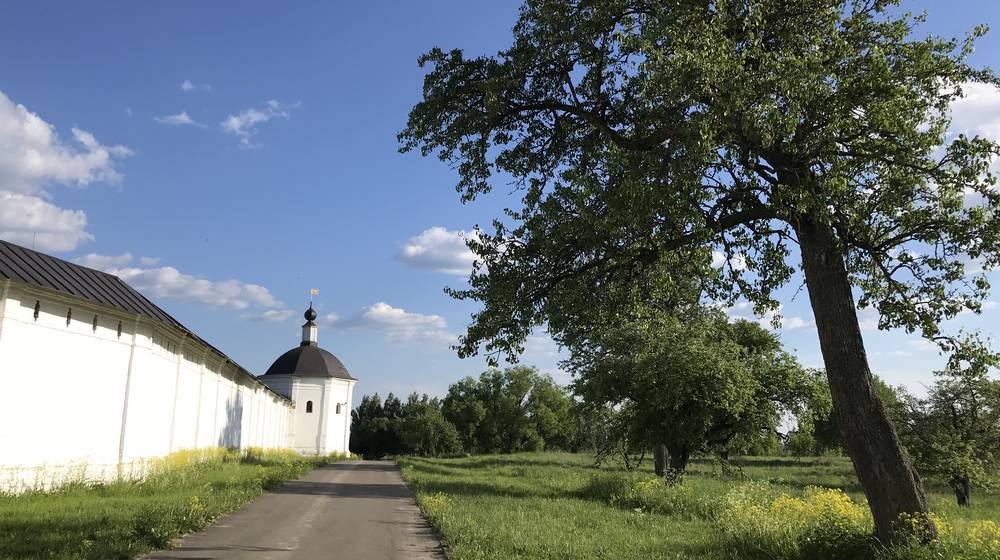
381, 466
343, 490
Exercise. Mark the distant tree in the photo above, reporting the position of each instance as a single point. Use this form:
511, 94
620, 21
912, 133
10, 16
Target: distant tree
423, 430
464, 409
374, 427
817, 431
710, 384
516, 409
770, 129
955, 432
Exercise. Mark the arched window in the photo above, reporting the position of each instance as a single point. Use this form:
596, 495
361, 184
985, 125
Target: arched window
309, 407
38, 308
338, 408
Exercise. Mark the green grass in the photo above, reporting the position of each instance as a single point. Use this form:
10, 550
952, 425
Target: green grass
562, 506
124, 519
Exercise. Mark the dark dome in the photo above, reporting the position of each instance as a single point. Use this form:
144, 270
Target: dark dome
308, 361
310, 313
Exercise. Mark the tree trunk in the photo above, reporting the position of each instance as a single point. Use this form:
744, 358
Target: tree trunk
660, 459
678, 460
963, 490
724, 454
891, 484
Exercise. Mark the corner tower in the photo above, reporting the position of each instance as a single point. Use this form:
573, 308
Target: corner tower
321, 388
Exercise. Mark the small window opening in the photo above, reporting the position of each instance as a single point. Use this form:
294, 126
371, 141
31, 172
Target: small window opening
38, 308
338, 408
69, 316
119, 329
93, 326
309, 407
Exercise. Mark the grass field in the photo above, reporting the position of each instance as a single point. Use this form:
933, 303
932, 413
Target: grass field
184, 492
562, 506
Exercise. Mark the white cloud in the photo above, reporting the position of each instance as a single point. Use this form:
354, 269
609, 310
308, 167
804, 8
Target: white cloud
33, 156
103, 262
868, 319
978, 111
188, 85
559, 376
169, 283
149, 261
33, 222
767, 320
440, 250
180, 119
736, 262
273, 315
397, 324
244, 125
922, 344
539, 345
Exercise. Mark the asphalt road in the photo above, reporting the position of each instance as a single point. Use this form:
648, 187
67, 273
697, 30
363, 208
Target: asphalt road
354, 510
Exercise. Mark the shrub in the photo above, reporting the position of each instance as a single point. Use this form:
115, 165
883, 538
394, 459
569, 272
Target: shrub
823, 523
643, 493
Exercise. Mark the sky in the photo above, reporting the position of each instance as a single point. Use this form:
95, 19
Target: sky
225, 159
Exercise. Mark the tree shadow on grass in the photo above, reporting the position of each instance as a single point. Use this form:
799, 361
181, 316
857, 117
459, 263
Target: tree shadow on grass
515, 461
473, 489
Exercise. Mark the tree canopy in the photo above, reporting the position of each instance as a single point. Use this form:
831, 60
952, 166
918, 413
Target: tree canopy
954, 432
644, 135
691, 381
516, 409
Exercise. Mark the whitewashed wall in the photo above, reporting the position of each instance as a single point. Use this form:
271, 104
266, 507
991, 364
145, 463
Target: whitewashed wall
83, 402
326, 429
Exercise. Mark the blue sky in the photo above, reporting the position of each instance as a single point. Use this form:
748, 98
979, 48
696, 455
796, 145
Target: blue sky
225, 159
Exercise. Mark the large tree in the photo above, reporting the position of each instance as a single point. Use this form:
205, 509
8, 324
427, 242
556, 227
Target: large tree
954, 433
688, 380
517, 409
638, 129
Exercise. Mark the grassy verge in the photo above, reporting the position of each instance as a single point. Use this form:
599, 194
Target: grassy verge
122, 519
562, 506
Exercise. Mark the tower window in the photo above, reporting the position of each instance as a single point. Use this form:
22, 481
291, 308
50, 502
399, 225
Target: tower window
119, 329
69, 316
309, 407
338, 408
38, 308
93, 326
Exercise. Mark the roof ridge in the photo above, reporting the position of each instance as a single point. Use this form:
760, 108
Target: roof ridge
33, 267
55, 258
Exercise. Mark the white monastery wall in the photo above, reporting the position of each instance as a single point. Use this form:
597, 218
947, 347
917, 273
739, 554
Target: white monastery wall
79, 400
338, 422
321, 427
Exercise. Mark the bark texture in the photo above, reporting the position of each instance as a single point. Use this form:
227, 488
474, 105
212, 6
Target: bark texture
679, 457
963, 490
660, 459
890, 482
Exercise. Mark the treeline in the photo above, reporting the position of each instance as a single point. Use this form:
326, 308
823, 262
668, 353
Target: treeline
516, 409
717, 387
952, 434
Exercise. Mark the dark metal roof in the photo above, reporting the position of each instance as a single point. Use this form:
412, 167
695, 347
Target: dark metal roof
24, 265
308, 360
